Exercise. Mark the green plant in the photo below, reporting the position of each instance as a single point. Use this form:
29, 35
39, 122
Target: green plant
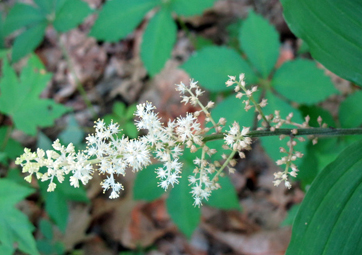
33, 20
160, 34
124, 117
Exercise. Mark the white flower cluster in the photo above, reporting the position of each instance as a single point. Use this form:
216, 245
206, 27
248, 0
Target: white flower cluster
165, 142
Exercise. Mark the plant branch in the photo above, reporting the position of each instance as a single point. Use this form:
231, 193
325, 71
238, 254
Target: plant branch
288, 131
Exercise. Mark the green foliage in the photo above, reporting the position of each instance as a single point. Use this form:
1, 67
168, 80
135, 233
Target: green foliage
46, 245
335, 42
56, 202
64, 15
146, 184
72, 133
329, 220
15, 226
305, 78
288, 221
158, 41
129, 13
350, 111
9, 147
260, 41
190, 8
211, 66
180, 206
124, 117
226, 197
20, 100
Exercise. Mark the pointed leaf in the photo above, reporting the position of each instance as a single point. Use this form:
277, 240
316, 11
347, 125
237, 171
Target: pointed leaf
329, 219
28, 41
260, 41
118, 18
191, 8
22, 15
20, 98
158, 41
46, 6
70, 15
212, 65
302, 82
333, 41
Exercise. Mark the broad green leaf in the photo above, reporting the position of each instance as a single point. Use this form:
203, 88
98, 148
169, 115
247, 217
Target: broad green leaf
225, 197
271, 144
22, 15
130, 129
158, 41
260, 41
333, 41
118, 18
350, 110
309, 168
180, 206
28, 41
190, 8
146, 184
232, 109
302, 82
329, 219
20, 98
15, 226
73, 133
56, 202
212, 65
119, 109
71, 14
130, 112
288, 221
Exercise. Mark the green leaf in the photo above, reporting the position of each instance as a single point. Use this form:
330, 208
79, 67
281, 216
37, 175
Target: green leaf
56, 202
46, 6
272, 144
314, 112
350, 111
22, 15
329, 219
2, 35
130, 112
190, 8
180, 206
46, 229
73, 133
118, 18
20, 98
288, 221
302, 82
225, 197
333, 41
146, 184
130, 129
28, 41
70, 15
119, 109
13, 148
15, 226
212, 65
158, 41
260, 41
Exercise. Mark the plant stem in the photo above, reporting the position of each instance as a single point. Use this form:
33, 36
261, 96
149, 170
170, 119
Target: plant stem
77, 81
288, 131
